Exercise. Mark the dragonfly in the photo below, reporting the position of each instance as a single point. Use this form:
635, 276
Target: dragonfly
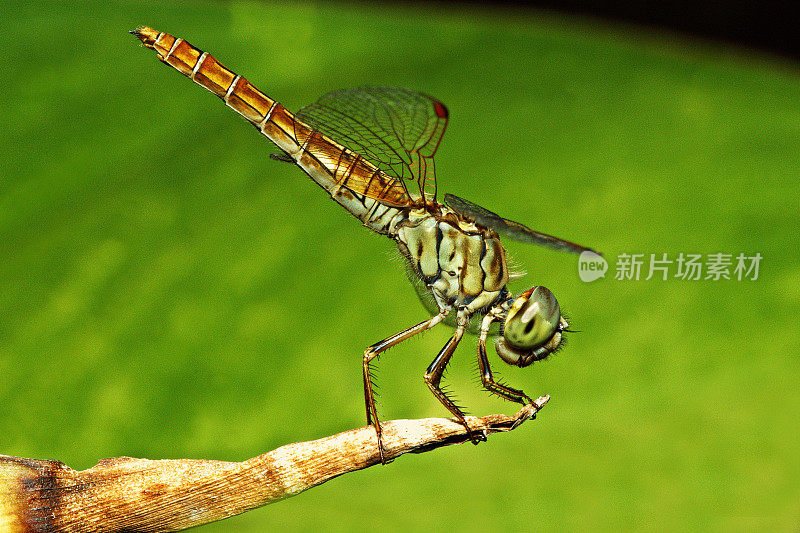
372, 149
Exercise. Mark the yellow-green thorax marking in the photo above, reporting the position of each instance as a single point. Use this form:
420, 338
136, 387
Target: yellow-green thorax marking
462, 264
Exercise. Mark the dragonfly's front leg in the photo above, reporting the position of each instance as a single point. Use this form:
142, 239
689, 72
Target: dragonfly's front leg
433, 377
374, 351
488, 381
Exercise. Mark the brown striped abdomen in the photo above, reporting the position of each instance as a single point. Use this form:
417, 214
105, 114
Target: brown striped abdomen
370, 194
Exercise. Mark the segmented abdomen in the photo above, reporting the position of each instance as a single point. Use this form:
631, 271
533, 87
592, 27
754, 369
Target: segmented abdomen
368, 193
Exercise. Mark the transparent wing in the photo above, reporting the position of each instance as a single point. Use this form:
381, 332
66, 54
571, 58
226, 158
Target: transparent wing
395, 129
509, 228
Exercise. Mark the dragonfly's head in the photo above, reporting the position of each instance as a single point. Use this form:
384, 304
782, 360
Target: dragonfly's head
532, 328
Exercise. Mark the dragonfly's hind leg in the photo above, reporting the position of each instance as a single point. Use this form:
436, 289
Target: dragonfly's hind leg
433, 377
374, 351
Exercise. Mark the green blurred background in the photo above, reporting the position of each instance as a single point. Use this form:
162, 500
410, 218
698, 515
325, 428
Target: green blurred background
167, 290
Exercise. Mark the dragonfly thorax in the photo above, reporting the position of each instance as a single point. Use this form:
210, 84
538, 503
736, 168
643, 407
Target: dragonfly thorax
463, 265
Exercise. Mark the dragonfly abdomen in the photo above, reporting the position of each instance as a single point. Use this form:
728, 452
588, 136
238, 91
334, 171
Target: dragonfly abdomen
462, 265
269, 116
370, 194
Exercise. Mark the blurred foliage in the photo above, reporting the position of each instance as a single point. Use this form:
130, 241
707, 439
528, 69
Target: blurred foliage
166, 290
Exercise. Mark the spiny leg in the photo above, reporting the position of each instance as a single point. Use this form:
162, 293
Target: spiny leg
374, 351
488, 381
433, 377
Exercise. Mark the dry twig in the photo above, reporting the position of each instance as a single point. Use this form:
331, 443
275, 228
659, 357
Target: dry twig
127, 494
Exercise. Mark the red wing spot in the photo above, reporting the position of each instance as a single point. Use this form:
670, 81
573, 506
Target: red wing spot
441, 110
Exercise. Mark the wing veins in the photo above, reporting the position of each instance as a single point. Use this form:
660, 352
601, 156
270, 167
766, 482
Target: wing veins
515, 230
394, 129
356, 141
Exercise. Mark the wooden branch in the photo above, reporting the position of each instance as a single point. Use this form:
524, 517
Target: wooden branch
127, 494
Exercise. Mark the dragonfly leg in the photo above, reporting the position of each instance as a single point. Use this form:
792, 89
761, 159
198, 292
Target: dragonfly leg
488, 381
433, 377
374, 351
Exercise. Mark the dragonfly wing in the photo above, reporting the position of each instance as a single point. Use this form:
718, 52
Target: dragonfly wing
509, 228
283, 156
395, 129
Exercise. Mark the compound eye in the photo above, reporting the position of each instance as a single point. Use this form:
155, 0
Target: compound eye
533, 319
